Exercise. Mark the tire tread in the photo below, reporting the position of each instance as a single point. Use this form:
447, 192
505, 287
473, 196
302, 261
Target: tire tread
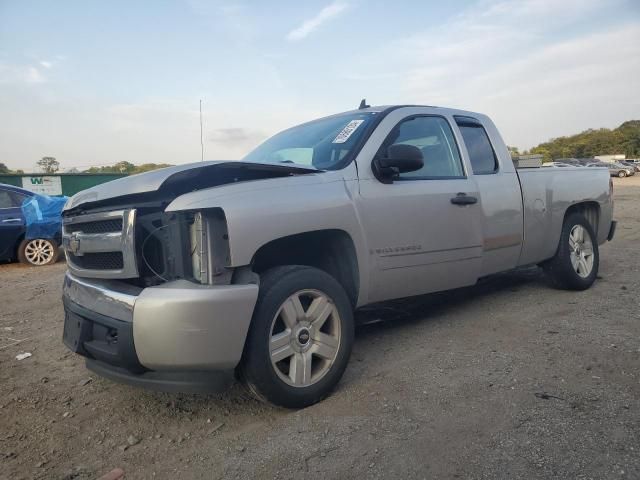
255, 369
559, 270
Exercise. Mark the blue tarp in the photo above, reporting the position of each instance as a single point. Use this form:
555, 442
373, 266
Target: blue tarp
43, 216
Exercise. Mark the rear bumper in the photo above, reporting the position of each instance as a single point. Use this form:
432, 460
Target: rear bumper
171, 337
612, 230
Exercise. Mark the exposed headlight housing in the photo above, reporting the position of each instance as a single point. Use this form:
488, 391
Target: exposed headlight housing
209, 247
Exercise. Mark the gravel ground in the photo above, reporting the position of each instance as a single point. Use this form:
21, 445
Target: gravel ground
508, 379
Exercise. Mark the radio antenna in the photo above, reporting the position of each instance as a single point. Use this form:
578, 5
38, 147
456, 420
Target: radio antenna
201, 142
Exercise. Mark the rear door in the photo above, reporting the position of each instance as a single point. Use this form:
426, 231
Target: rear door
497, 179
423, 230
11, 222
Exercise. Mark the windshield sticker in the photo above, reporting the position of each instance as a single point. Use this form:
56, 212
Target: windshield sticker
347, 131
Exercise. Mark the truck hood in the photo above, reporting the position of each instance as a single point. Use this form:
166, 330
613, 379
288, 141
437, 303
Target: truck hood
166, 184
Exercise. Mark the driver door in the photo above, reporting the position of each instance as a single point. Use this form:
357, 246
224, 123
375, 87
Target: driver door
421, 237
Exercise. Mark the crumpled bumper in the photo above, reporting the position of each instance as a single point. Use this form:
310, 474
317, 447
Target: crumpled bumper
169, 337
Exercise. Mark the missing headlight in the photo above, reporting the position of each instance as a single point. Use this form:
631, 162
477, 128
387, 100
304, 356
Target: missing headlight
198, 238
209, 248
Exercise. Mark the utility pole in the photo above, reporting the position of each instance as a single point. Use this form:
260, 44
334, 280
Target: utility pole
201, 141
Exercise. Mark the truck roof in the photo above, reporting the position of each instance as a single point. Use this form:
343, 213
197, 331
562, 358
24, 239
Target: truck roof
387, 108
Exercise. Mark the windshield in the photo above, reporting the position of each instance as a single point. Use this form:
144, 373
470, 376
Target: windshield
325, 144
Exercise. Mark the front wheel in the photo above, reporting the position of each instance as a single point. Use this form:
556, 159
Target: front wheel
622, 174
575, 265
38, 252
300, 337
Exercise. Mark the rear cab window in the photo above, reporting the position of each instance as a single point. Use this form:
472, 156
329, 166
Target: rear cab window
481, 153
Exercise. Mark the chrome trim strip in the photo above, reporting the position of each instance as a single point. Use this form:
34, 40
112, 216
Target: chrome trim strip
94, 217
79, 243
104, 297
94, 242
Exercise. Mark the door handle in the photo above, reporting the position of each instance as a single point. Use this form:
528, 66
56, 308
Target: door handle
463, 199
7, 220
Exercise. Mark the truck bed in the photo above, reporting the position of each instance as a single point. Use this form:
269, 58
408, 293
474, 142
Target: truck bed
547, 193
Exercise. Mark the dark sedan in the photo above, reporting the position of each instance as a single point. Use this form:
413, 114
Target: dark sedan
13, 245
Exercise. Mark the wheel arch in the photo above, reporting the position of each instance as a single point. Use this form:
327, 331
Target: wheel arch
589, 210
16, 247
330, 250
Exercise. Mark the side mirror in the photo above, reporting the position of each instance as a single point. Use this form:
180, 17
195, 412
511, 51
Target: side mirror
400, 158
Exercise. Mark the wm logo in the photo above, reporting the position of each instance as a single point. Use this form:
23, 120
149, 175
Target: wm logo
37, 181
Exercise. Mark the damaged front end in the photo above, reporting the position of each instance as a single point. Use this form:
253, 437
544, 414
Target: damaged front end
123, 232
150, 296
186, 245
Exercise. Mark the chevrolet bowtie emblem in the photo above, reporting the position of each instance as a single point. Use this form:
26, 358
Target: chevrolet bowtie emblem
74, 244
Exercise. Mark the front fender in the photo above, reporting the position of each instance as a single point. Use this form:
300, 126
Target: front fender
260, 212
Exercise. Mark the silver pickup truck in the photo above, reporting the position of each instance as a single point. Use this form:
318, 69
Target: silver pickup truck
182, 277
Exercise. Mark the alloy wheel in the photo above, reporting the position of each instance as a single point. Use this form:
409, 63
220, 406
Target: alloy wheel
305, 338
581, 251
39, 251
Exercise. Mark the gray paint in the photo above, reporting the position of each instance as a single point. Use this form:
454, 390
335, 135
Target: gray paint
156, 179
548, 193
182, 326
176, 326
409, 239
141, 183
106, 297
289, 206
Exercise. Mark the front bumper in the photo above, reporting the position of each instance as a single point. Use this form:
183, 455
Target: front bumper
179, 336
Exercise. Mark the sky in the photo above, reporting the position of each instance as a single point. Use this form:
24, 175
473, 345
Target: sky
94, 82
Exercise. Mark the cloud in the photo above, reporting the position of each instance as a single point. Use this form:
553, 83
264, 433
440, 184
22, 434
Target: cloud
236, 136
531, 65
33, 75
46, 64
235, 19
309, 26
20, 74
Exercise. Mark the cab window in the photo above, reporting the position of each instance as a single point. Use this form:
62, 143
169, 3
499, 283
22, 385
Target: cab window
481, 153
433, 136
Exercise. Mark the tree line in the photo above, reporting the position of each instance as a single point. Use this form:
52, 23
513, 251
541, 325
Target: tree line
127, 167
51, 165
603, 141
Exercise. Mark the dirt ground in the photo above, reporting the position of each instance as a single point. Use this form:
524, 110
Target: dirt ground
508, 379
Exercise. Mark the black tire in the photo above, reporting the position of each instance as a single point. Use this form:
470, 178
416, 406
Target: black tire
622, 174
23, 257
560, 270
256, 369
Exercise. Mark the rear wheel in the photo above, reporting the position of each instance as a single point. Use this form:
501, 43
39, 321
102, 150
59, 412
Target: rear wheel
38, 252
622, 174
575, 265
300, 338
